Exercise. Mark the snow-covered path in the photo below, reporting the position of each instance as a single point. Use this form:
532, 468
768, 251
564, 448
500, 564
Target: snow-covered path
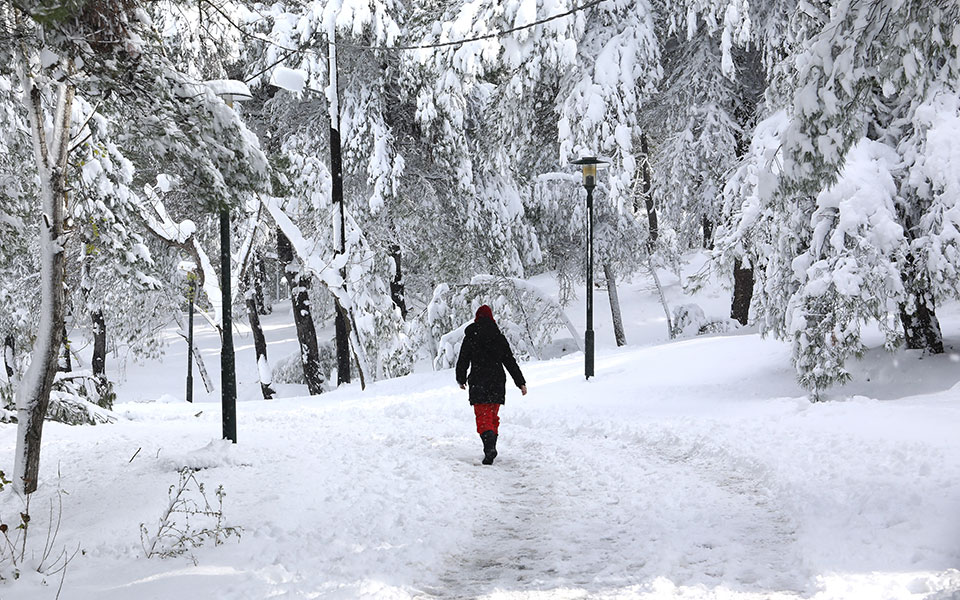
602, 515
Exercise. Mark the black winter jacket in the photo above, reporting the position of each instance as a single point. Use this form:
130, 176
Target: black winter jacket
486, 352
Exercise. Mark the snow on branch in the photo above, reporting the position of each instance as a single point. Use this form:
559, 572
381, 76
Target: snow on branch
182, 235
327, 273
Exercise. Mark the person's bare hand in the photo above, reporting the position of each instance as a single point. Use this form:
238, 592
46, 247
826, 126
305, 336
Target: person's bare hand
523, 390
463, 386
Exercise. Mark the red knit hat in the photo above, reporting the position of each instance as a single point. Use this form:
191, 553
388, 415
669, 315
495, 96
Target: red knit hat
484, 312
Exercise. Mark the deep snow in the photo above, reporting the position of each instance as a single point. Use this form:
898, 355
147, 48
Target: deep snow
690, 469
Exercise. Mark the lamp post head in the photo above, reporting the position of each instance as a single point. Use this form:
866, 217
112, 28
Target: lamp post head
231, 90
589, 166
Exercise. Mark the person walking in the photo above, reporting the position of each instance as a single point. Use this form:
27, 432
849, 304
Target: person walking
485, 352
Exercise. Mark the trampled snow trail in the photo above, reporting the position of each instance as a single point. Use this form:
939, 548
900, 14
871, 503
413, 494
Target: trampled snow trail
578, 513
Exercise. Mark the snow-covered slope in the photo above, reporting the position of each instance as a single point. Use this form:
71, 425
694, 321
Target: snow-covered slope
687, 469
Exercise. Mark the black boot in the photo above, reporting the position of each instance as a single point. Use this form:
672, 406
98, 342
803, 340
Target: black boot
489, 446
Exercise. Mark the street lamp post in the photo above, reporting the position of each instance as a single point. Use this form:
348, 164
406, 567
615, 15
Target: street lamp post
192, 298
231, 91
589, 165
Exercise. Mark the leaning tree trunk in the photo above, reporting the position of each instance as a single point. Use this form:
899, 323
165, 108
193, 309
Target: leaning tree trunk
921, 328
306, 332
614, 304
259, 341
396, 284
742, 292
647, 187
33, 395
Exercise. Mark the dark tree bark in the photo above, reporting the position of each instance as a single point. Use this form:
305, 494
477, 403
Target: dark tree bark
921, 328
396, 285
259, 277
342, 339
742, 292
64, 363
707, 233
340, 227
306, 332
259, 341
9, 348
614, 304
647, 186
99, 361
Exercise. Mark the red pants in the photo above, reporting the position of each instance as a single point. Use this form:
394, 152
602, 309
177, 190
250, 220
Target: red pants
487, 419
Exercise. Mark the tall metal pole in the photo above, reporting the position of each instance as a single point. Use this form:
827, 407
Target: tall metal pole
588, 335
228, 374
191, 295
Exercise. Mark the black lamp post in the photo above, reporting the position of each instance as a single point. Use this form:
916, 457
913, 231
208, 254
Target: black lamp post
191, 298
589, 165
231, 91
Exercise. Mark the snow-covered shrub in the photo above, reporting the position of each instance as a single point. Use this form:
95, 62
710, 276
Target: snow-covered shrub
83, 384
80, 398
189, 520
72, 409
8, 403
77, 398
689, 320
289, 369
529, 318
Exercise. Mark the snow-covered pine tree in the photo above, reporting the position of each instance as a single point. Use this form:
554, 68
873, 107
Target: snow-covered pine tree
857, 91
695, 133
854, 82
701, 121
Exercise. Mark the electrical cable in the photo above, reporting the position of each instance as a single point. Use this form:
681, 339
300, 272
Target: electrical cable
307, 46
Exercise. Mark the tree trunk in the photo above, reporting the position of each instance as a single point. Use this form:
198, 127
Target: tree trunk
647, 186
614, 304
64, 364
306, 332
396, 285
336, 195
921, 328
742, 292
99, 362
260, 276
342, 340
9, 349
259, 342
33, 395
707, 233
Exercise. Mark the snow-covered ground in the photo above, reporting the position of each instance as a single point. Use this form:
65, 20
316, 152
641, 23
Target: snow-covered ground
685, 469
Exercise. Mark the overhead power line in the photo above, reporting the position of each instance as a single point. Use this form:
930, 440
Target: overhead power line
488, 36
308, 45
